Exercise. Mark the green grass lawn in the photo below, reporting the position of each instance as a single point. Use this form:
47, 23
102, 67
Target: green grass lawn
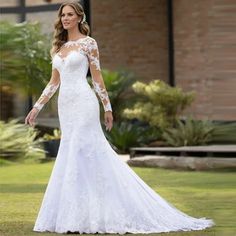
200, 194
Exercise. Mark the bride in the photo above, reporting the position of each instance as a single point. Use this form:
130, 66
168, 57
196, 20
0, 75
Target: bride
90, 189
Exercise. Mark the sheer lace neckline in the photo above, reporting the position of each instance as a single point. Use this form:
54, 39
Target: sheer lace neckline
68, 44
71, 42
74, 42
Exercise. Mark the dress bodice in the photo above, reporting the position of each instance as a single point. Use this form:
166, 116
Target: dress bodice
72, 61
74, 57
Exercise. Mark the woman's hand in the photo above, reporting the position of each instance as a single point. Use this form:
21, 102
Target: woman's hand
108, 120
30, 118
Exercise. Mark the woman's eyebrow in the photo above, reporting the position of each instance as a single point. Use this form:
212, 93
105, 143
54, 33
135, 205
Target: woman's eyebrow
67, 12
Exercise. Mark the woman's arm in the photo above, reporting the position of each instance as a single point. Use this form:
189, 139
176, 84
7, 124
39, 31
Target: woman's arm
97, 79
47, 93
98, 83
49, 90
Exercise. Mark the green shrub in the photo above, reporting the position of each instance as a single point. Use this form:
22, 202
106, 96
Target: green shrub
125, 135
224, 133
24, 50
56, 135
159, 104
189, 133
18, 140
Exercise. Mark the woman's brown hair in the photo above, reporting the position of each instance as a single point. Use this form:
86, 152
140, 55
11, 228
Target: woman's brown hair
60, 35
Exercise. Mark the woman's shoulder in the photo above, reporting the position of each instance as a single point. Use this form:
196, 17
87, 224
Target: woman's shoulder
91, 39
91, 42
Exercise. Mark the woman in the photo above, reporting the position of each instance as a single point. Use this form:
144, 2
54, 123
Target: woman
90, 189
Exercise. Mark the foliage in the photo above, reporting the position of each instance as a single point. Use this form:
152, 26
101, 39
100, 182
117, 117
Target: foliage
25, 53
18, 140
160, 104
118, 85
56, 135
190, 133
224, 133
125, 134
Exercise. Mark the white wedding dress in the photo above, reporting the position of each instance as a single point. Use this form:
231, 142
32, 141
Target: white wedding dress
90, 188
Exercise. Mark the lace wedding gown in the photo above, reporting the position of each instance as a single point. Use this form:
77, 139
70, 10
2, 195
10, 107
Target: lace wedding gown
90, 189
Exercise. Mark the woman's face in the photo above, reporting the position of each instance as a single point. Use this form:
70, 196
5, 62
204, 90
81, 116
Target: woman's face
69, 18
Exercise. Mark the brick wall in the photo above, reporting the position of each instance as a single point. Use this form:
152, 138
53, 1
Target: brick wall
205, 55
133, 35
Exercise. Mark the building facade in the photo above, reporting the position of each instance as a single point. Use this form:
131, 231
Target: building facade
187, 43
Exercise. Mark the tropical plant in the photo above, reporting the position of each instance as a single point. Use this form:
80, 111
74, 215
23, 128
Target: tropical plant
189, 133
25, 57
56, 135
18, 140
125, 135
224, 133
159, 104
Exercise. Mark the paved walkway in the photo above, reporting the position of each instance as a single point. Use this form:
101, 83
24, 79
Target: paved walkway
206, 148
179, 162
184, 150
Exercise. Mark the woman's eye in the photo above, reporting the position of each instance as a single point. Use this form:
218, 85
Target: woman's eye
70, 14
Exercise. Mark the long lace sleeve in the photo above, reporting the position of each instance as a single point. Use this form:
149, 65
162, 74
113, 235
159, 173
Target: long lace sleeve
97, 80
48, 91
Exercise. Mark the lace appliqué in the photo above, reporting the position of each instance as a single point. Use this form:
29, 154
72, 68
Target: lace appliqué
93, 54
47, 93
89, 47
97, 81
72, 46
102, 93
